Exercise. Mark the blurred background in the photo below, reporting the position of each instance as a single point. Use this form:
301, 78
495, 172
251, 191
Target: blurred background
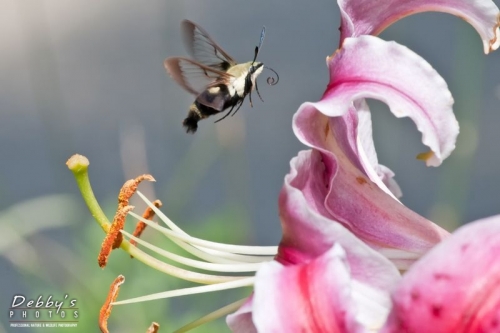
88, 78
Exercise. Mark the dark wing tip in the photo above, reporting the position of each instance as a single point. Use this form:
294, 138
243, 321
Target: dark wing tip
173, 69
187, 30
187, 22
172, 65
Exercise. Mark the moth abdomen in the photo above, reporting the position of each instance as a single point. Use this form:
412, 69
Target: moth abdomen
197, 111
191, 121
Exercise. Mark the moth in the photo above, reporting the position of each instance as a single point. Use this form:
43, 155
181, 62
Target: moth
213, 76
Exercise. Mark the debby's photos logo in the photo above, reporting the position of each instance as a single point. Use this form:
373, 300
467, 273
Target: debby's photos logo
43, 311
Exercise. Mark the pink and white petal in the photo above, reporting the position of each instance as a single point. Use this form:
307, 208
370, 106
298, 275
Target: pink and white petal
365, 130
307, 233
348, 190
365, 142
311, 128
367, 17
387, 177
366, 210
455, 287
326, 183
318, 296
368, 67
241, 321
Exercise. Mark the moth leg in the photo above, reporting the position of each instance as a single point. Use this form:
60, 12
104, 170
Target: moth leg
257, 89
239, 106
250, 98
227, 114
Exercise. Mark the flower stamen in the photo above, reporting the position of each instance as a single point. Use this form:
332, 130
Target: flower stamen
141, 226
215, 257
108, 303
130, 187
239, 252
154, 328
113, 235
245, 282
126, 192
247, 250
242, 267
425, 156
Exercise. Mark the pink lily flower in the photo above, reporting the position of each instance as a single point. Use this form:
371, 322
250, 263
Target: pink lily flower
346, 237
338, 199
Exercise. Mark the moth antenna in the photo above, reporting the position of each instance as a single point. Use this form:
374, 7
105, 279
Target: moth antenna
271, 80
257, 48
255, 55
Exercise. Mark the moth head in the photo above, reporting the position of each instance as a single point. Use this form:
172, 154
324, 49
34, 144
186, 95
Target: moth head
255, 70
257, 67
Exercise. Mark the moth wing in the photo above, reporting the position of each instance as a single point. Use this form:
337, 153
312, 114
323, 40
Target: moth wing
197, 78
193, 76
203, 48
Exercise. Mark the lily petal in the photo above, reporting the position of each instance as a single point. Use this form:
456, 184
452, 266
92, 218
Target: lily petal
241, 320
307, 233
367, 17
327, 183
318, 296
368, 67
455, 287
365, 140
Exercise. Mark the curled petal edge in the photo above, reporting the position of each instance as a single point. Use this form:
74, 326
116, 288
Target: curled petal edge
366, 17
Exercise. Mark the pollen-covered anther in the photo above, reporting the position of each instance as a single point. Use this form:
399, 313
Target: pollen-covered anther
112, 235
130, 187
127, 191
148, 214
107, 306
154, 328
425, 156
